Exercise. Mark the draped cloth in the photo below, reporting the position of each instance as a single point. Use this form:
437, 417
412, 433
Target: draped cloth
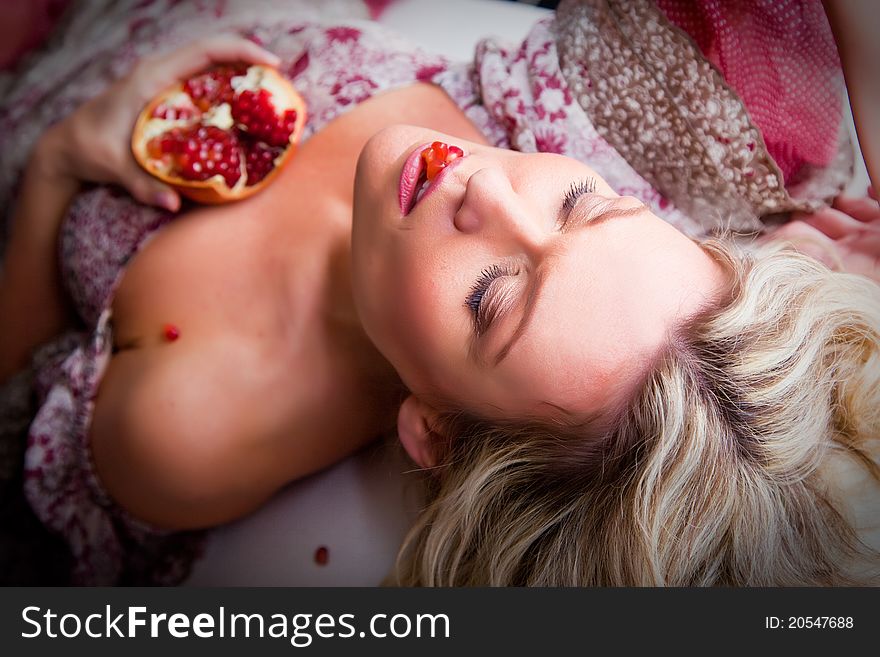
676, 117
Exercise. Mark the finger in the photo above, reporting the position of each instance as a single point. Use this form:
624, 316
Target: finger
833, 223
213, 50
226, 48
862, 209
808, 240
151, 191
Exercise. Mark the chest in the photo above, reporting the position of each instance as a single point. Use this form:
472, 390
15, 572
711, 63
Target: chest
259, 279
246, 318
206, 274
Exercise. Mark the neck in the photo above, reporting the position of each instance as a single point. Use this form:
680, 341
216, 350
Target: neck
375, 380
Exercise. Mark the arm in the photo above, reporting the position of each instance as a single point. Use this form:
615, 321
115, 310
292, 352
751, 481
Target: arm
91, 145
846, 236
32, 301
856, 25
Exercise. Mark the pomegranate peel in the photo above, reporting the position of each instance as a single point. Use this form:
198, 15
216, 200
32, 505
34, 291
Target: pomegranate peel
221, 135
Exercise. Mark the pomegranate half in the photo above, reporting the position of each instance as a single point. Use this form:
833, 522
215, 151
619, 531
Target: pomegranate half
221, 135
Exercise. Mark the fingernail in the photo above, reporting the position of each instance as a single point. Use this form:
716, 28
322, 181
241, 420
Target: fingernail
167, 200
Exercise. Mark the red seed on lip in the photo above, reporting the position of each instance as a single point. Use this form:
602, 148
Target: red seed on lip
171, 332
437, 156
322, 554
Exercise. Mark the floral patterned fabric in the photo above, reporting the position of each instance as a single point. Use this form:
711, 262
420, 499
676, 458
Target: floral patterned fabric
518, 96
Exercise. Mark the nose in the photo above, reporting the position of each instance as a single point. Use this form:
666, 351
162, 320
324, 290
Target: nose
491, 208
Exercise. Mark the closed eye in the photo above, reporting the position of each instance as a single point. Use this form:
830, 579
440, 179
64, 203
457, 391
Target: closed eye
575, 191
485, 300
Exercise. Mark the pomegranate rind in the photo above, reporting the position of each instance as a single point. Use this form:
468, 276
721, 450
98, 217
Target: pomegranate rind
215, 191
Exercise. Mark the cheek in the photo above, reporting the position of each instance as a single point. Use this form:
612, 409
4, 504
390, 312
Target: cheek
428, 321
422, 303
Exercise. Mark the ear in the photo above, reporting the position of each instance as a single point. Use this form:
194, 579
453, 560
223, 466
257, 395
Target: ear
414, 421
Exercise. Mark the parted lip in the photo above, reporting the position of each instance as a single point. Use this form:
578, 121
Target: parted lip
410, 176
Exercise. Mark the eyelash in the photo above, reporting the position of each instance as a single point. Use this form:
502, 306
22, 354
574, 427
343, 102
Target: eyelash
474, 299
577, 189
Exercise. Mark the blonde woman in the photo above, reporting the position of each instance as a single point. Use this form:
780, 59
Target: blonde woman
744, 454
597, 394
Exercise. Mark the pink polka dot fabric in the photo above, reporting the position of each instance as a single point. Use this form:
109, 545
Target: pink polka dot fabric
780, 57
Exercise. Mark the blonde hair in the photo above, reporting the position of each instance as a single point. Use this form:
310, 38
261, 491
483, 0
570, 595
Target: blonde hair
709, 476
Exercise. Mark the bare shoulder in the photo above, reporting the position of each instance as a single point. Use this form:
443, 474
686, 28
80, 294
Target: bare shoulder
175, 442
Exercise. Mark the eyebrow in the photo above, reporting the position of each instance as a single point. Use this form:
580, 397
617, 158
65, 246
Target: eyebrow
609, 210
528, 312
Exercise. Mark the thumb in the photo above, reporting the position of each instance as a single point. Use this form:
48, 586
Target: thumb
150, 191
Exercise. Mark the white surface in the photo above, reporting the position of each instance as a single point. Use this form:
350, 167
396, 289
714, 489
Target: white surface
453, 27
359, 510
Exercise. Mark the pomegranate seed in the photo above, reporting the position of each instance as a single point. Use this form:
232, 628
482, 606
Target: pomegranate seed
255, 113
437, 156
432, 162
172, 113
322, 555
194, 151
197, 152
171, 332
154, 149
259, 161
213, 87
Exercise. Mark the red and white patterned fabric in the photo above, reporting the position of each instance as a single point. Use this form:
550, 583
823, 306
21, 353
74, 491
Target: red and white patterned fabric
781, 58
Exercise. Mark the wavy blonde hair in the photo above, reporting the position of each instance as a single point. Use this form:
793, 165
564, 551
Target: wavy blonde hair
711, 475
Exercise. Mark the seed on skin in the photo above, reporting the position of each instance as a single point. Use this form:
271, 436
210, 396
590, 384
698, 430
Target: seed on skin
322, 555
171, 332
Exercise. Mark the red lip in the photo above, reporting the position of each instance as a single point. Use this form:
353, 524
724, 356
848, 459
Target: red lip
411, 179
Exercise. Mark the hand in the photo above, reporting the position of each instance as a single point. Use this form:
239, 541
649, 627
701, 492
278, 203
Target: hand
846, 236
93, 143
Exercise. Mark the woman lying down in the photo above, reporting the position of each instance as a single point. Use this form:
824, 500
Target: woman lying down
603, 380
